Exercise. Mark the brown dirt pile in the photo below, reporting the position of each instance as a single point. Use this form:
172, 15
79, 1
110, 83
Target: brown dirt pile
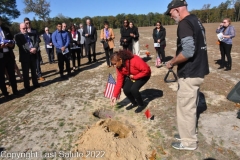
116, 140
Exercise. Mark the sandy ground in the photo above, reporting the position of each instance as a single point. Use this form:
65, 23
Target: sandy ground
56, 121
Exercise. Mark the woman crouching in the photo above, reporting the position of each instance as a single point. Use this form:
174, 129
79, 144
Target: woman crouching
132, 74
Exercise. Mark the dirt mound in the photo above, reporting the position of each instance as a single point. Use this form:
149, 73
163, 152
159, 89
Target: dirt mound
111, 139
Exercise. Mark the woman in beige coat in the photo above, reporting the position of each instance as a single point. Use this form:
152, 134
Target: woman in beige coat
107, 38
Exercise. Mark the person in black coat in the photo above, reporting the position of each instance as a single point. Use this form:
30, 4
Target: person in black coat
90, 34
47, 37
126, 39
7, 61
39, 60
159, 35
28, 44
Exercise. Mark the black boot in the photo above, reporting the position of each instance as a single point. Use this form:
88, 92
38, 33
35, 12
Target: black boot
228, 67
139, 109
221, 67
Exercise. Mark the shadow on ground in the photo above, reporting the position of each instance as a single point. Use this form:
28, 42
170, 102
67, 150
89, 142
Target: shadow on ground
148, 95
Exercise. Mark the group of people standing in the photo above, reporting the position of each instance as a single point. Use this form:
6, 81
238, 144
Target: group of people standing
29, 57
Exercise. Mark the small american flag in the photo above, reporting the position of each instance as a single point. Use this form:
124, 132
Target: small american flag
110, 87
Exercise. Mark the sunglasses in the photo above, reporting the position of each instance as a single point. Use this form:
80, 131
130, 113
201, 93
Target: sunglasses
46, 30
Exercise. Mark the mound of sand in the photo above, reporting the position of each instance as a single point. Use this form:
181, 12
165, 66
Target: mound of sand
114, 140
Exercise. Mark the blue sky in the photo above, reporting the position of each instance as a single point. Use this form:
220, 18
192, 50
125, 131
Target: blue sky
82, 8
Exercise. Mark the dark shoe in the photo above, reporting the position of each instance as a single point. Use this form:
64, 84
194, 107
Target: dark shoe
36, 86
227, 69
7, 97
94, 60
69, 75
179, 146
16, 92
139, 109
221, 67
89, 62
28, 89
63, 76
131, 106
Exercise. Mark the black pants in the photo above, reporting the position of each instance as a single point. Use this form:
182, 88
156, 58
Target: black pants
90, 47
225, 50
128, 47
131, 90
161, 53
8, 63
61, 59
31, 64
50, 53
38, 65
108, 53
74, 57
83, 46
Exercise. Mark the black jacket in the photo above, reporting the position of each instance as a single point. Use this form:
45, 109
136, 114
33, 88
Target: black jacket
161, 35
135, 32
24, 50
125, 34
91, 38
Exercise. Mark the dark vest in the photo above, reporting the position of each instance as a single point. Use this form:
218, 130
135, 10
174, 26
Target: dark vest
196, 66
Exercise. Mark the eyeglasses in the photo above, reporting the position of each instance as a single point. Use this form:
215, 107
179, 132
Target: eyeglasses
23, 28
46, 30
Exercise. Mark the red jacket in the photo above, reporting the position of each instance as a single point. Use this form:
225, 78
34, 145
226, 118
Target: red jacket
138, 68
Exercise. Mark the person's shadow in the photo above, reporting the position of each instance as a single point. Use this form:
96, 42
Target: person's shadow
147, 95
201, 107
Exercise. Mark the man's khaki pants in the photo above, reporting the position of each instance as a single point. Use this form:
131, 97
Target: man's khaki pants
187, 99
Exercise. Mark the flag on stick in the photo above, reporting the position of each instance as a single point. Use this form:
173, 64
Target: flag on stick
108, 93
148, 114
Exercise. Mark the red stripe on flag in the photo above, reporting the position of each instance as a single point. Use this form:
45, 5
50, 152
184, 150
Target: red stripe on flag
108, 93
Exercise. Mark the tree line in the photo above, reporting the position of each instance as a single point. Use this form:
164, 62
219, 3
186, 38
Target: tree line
230, 9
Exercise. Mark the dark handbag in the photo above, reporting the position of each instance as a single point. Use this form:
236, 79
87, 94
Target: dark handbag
122, 43
105, 45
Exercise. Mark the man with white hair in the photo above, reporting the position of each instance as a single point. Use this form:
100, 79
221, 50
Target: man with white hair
28, 44
90, 34
82, 40
47, 37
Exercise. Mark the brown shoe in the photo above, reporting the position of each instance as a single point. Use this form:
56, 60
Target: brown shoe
41, 78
